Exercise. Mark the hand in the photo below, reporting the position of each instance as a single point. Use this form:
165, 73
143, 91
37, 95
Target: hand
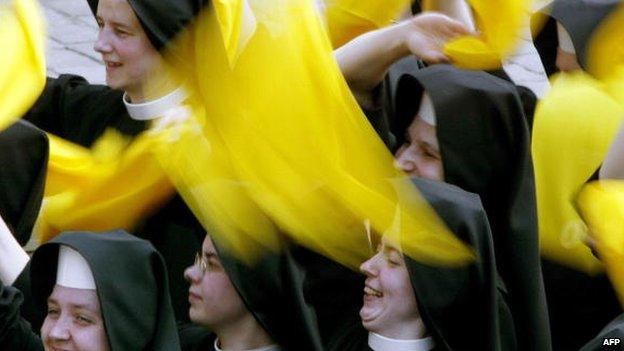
427, 33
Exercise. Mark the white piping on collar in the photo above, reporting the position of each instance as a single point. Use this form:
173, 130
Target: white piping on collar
273, 347
153, 109
381, 343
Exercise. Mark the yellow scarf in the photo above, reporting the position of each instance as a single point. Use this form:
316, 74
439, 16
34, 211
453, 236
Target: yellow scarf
602, 206
277, 143
499, 24
22, 64
574, 126
114, 185
347, 19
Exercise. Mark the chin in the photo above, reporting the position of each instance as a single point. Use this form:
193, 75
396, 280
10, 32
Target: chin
111, 83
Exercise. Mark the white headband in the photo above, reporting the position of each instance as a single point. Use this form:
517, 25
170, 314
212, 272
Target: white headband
427, 111
73, 270
565, 42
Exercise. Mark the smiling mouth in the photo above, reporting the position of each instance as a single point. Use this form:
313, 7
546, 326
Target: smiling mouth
368, 291
112, 64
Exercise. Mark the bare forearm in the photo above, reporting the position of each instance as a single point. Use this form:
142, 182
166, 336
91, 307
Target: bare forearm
365, 60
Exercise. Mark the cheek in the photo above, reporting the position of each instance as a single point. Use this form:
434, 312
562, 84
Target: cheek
396, 284
218, 291
433, 169
137, 55
46, 327
90, 338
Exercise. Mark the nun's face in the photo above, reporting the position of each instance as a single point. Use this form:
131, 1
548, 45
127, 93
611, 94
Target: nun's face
420, 154
126, 50
215, 303
74, 321
390, 307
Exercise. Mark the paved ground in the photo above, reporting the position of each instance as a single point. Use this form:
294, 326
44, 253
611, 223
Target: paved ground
72, 31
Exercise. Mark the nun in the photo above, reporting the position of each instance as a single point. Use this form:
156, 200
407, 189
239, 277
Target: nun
468, 128
93, 291
409, 305
131, 39
567, 29
249, 306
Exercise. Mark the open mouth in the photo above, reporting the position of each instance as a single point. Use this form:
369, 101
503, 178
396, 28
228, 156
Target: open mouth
368, 291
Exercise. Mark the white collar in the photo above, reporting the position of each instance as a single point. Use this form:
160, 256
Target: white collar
273, 347
382, 343
155, 108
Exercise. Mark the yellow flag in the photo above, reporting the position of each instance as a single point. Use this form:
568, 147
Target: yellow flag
499, 23
602, 206
113, 185
574, 126
347, 19
277, 144
605, 49
22, 63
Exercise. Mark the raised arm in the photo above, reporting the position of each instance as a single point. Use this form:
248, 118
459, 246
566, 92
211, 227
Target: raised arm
365, 60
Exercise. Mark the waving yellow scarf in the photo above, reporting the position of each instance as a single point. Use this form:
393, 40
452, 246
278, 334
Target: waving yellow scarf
499, 23
347, 19
22, 63
114, 185
574, 126
278, 143
602, 206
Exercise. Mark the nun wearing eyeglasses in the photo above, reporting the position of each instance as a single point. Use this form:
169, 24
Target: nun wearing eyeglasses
255, 306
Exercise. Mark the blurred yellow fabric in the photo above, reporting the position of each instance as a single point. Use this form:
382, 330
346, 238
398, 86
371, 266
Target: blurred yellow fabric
22, 63
113, 185
277, 144
605, 49
574, 126
499, 24
602, 206
347, 19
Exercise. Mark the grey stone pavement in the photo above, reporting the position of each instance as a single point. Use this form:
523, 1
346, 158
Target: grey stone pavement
72, 30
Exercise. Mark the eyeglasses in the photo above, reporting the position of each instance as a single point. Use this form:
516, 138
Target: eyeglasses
201, 263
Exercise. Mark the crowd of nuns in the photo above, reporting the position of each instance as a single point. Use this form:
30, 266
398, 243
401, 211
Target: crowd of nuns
465, 138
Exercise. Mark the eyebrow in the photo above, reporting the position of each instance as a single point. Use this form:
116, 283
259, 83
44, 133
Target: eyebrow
72, 305
116, 24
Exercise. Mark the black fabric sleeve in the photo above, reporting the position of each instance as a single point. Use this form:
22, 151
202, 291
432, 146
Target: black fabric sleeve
28, 311
15, 333
73, 109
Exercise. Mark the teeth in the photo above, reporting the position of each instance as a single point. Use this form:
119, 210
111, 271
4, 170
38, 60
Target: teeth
372, 292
